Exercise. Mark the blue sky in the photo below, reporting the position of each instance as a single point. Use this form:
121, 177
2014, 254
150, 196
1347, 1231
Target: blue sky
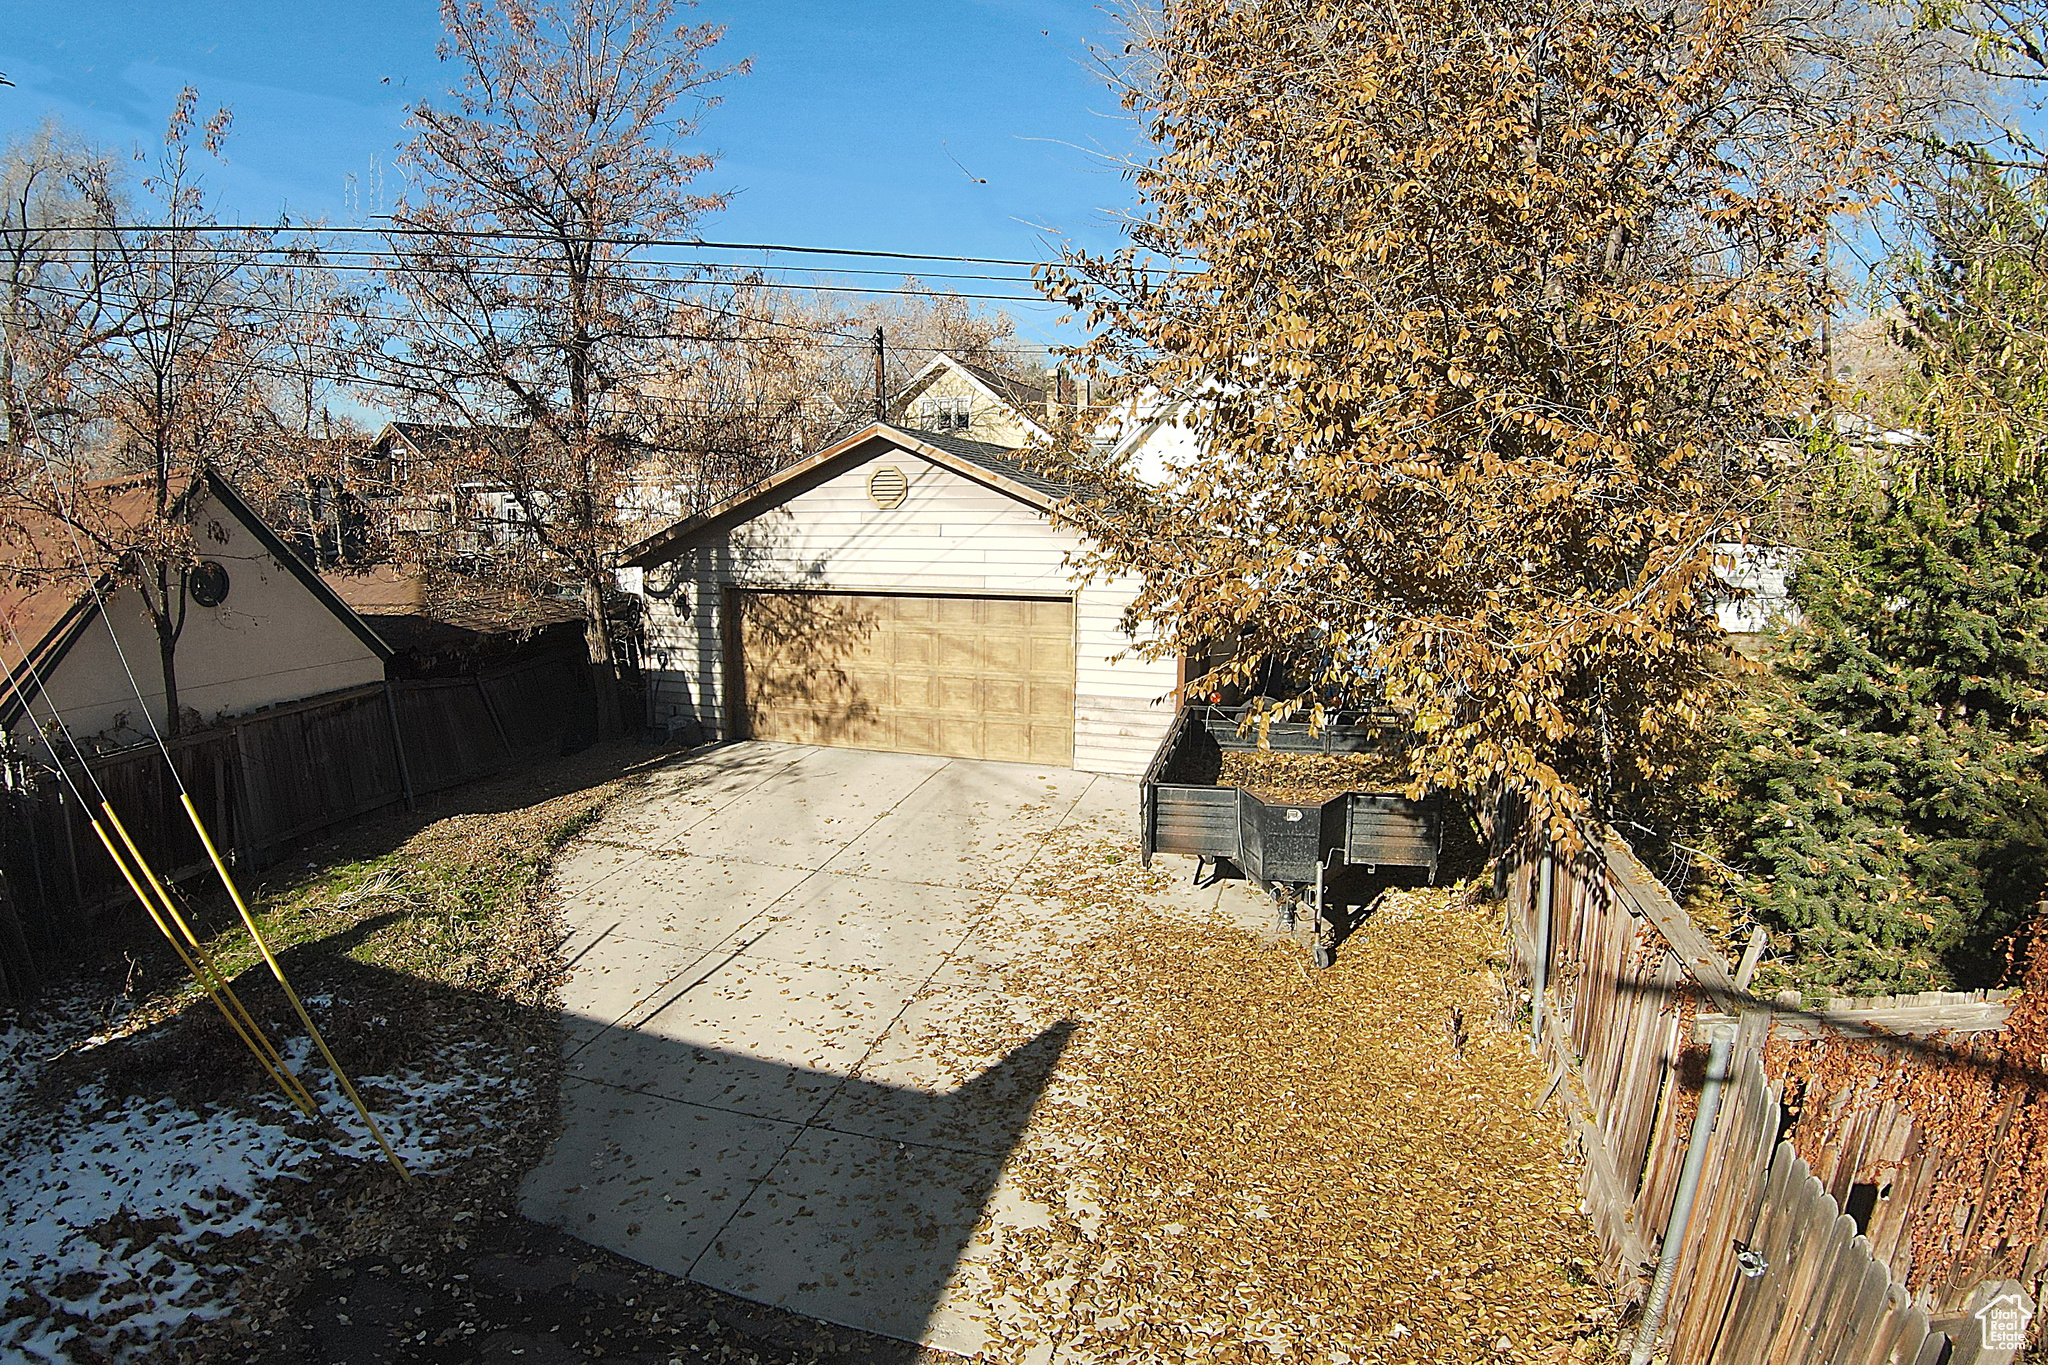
847, 132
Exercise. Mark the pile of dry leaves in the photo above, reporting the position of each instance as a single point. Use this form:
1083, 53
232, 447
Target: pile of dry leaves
1281, 778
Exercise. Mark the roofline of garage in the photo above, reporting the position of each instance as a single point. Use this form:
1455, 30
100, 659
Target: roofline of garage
805, 474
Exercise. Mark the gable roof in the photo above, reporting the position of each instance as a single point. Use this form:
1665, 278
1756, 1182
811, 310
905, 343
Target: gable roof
430, 439
998, 460
48, 618
991, 466
37, 613
1025, 401
1015, 392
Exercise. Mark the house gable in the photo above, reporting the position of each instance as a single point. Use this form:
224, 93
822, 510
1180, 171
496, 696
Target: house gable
903, 515
279, 634
950, 397
965, 459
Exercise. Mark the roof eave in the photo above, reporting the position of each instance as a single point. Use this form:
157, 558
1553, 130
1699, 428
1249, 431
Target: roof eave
665, 544
1023, 412
45, 654
297, 567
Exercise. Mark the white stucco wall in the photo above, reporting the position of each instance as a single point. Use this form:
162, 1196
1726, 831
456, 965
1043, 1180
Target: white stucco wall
949, 535
270, 641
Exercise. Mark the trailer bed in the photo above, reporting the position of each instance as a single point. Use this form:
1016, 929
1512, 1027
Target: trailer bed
1279, 843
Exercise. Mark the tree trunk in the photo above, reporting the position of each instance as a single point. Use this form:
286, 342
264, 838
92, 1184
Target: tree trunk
167, 653
604, 671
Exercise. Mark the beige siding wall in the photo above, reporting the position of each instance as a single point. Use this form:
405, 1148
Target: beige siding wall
270, 641
991, 422
949, 535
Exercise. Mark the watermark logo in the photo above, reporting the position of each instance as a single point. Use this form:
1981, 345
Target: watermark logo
2003, 1321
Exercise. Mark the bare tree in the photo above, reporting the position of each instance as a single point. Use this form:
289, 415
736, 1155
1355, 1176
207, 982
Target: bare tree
56, 311
126, 354
173, 393
792, 370
522, 295
302, 460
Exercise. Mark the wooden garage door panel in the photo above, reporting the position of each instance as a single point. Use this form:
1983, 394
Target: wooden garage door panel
967, 677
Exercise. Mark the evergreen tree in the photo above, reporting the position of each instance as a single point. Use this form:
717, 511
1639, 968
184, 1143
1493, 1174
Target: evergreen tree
1887, 795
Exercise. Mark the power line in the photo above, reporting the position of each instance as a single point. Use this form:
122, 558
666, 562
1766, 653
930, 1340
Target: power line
857, 289
326, 259
509, 234
844, 340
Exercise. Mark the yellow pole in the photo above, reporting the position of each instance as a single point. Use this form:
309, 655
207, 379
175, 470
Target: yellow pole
235, 893
299, 1094
293, 1091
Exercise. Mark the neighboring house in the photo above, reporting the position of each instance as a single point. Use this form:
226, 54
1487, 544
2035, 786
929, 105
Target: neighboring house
953, 398
653, 496
1760, 577
403, 450
408, 503
307, 493
1154, 434
260, 628
1158, 440
479, 514
898, 590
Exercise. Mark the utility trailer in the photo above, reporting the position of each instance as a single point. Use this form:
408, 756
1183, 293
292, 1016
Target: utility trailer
1288, 848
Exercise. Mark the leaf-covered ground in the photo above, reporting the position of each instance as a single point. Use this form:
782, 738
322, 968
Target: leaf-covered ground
1238, 1159
163, 1199
1248, 1160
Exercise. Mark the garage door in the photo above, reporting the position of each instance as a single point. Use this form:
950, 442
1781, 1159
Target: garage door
967, 677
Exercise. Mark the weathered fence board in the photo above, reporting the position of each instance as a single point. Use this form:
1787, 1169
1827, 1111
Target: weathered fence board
537, 703
1774, 1270
313, 765
448, 733
263, 782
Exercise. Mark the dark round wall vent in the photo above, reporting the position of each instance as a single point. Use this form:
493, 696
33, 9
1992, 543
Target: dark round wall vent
208, 583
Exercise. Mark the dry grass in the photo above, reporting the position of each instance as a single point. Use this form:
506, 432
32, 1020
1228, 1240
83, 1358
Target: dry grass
426, 947
1239, 1158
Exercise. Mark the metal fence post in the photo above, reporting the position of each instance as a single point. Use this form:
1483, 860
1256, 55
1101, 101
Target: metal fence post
1539, 970
1688, 1189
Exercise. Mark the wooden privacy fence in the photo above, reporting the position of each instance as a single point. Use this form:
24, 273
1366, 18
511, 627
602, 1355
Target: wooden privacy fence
265, 782
1774, 1265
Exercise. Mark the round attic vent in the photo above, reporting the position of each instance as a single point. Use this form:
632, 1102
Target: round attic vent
888, 487
208, 583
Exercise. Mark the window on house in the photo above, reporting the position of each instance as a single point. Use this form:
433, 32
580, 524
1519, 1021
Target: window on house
944, 414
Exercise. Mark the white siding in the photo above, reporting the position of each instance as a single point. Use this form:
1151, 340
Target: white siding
270, 641
1762, 575
949, 535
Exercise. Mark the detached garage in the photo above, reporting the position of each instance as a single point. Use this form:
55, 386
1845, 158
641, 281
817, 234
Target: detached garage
898, 590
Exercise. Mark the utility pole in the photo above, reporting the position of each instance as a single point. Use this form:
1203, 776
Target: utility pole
881, 384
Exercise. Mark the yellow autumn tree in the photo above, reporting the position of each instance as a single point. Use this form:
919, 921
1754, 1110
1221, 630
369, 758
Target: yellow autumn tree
1491, 319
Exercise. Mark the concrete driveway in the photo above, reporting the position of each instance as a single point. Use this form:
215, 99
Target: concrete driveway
767, 941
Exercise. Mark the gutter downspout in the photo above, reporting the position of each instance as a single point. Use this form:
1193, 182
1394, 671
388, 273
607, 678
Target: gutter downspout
1539, 970
1688, 1188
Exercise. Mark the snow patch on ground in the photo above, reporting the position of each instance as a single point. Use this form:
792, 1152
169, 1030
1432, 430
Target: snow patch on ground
120, 1221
